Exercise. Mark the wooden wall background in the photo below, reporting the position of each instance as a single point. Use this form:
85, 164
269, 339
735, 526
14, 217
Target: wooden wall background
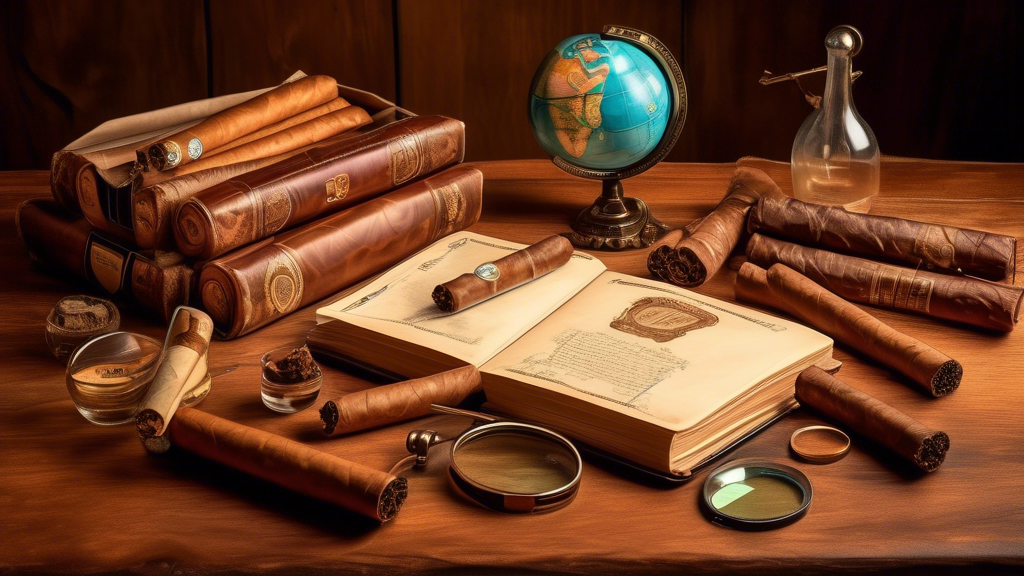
938, 76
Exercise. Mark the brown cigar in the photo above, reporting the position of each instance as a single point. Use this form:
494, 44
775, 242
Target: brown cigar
932, 370
289, 464
958, 298
268, 108
398, 402
915, 244
871, 418
502, 275
752, 287
332, 106
699, 255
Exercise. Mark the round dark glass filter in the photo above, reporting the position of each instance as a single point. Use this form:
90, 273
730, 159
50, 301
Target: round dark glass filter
752, 494
514, 467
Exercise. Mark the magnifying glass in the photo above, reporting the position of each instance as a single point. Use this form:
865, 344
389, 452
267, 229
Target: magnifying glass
753, 494
504, 465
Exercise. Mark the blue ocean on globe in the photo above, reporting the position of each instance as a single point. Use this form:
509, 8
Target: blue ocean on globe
599, 104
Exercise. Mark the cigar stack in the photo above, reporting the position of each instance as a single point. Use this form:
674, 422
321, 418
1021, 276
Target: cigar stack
251, 205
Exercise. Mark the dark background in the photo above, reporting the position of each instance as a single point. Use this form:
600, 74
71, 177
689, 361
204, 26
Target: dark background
938, 78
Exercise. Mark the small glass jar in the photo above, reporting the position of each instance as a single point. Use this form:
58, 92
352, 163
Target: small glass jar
75, 319
298, 390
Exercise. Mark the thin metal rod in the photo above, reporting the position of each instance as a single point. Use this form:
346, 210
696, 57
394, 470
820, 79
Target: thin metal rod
467, 413
768, 78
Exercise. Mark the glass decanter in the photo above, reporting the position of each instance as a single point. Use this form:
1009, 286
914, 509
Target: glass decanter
835, 154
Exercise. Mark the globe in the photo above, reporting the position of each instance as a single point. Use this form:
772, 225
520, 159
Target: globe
598, 103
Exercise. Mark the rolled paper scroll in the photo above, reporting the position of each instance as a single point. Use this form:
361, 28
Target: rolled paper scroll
264, 110
159, 281
332, 106
871, 418
289, 464
256, 285
930, 369
493, 278
915, 244
188, 339
958, 298
700, 254
391, 403
321, 180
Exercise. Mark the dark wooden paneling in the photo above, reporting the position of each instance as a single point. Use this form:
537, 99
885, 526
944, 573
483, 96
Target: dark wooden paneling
260, 43
66, 67
474, 60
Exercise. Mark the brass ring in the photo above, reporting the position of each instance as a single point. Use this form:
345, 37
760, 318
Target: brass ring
820, 456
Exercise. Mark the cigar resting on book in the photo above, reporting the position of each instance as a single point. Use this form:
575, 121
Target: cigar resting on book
322, 180
392, 403
334, 105
871, 418
915, 244
258, 284
188, 339
259, 112
699, 255
958, 298
290, 464
493, 278
930, 369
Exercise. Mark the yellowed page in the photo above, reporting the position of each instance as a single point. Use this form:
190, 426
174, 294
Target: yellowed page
653, 351
398, 303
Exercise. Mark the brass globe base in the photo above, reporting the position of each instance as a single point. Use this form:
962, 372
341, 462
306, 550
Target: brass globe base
615, 222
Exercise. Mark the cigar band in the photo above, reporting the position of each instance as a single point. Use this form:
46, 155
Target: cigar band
195, 148
172, 154
488, 272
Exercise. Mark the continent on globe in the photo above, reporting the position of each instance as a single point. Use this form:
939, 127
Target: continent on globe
599, 104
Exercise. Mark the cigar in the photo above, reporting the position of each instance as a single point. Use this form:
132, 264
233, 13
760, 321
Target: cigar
871, 418
958, 298
502, 275
188, 339
336, 104
752, 287
289, 464
930, 369
698, 256
907, 242
264, 110
398, 402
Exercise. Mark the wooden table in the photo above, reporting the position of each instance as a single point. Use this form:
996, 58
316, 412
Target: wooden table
81, 498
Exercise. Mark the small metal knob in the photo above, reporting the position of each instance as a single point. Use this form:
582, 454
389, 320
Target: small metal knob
845, 38
419, 442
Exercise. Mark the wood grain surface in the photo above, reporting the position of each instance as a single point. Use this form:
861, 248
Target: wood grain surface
75, 497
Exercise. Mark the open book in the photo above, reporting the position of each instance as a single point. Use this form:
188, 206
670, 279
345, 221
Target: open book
656, 374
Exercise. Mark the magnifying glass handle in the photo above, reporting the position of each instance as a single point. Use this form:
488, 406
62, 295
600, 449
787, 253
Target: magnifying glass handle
479, 416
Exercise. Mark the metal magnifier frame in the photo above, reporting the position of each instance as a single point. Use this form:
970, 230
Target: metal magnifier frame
720, 477
420, 441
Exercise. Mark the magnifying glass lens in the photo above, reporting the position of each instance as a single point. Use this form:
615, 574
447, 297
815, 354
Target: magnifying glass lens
756, 495
516, 463
758, 498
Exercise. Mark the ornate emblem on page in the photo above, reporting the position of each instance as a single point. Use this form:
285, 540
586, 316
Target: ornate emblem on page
662, 319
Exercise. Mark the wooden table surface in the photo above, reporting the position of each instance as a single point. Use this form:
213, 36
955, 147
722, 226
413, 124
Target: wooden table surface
75, 497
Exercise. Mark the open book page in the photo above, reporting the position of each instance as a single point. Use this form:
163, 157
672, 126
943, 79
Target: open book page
658, 353
399, 304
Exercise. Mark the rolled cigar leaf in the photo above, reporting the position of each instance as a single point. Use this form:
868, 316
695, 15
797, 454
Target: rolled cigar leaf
871, 418
336, 104
502, 275
188, 339
958, 298
752, 287
264, 110
289, 464
261, 283
391, 403
930, 369
915, 244
699, 255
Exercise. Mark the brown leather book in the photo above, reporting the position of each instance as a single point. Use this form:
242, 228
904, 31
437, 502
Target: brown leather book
321, 180
263, 282
159, 281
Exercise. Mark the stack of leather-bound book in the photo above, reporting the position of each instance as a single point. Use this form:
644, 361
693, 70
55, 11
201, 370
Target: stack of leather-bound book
252, 205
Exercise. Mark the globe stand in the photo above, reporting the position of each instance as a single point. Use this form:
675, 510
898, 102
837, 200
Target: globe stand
616, 222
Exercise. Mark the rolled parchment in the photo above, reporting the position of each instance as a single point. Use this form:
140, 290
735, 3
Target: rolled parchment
391, 403
289, 464
915, 244
264, 110
958, 298
699, 255
502, 275
871, 418
188, 339
930, 369
334, 105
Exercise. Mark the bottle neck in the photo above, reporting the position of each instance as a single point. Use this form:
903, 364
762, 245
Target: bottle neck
838, 82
